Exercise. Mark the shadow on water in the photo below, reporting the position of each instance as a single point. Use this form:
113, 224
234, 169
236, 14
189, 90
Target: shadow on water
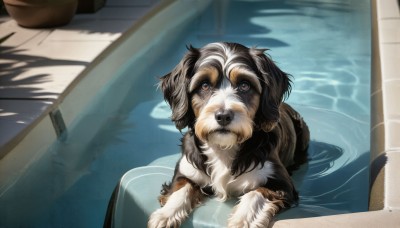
326, 184
321, 158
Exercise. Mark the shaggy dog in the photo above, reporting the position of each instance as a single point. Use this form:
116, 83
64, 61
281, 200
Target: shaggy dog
242, 140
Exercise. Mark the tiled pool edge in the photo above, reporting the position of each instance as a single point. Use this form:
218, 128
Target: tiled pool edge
385, 109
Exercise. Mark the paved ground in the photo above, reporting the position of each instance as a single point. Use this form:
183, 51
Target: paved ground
37, 65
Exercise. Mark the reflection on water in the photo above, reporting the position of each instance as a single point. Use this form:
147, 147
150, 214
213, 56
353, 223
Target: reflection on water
339, 86
325, 45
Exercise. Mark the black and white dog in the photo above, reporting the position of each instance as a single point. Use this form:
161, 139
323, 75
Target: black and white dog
242, 140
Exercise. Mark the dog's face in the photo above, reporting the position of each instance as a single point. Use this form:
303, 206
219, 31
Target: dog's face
224, 91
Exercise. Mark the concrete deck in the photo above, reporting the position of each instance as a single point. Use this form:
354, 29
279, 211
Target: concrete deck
38, 65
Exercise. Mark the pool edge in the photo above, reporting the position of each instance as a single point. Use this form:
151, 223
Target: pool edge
384, 202
385, 148
30, 144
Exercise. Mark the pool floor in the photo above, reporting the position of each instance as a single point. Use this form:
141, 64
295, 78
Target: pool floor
324, 45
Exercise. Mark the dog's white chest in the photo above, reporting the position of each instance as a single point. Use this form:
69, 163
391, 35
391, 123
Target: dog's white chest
250, 180
219, 176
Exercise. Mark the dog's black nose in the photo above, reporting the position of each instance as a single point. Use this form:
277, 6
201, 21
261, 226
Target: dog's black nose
224, 117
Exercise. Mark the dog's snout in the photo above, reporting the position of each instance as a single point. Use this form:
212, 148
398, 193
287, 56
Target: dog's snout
224, 117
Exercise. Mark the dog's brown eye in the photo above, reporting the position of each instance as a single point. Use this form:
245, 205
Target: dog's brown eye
244, 86
205, 86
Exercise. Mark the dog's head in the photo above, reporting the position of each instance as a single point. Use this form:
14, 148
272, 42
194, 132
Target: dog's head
224, 91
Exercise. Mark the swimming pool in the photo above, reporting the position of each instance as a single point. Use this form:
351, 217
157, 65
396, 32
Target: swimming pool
324, 45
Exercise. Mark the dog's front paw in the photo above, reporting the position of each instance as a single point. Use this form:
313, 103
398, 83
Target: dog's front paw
238, 223
162, 218
253, 210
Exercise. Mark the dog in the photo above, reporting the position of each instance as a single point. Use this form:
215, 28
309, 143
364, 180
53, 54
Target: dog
242, 140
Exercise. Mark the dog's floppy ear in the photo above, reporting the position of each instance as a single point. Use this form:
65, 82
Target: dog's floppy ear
275, 88
175, 88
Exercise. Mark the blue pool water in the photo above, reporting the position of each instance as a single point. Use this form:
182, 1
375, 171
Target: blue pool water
325, 45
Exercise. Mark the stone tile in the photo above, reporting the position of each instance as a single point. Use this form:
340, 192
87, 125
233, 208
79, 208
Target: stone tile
392, 180
390, 31
90, 30
392, 114
391, 94
20, 35
41, 82
50, 52
41, 72
388, 9
390, 56
79, 53
380, 218
393, 134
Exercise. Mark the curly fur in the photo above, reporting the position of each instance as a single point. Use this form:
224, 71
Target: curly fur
242, 139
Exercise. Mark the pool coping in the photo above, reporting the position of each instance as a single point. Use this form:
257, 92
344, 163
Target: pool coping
385, 108
29, 143
385, 152
44, 84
